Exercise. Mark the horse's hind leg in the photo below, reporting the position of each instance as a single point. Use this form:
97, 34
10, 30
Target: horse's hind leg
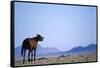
29, 55
24, 57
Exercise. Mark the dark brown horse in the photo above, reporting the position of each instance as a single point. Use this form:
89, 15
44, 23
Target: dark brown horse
30, 44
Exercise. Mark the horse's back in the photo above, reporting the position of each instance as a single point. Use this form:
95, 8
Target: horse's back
29, 43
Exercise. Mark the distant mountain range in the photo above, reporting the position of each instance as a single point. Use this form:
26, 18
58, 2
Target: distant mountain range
46, 50
53, 51
89, 48
40, 51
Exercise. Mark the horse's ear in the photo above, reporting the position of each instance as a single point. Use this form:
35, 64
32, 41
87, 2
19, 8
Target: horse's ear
37, 34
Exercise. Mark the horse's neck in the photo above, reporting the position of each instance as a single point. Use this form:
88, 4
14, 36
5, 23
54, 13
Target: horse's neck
35, 39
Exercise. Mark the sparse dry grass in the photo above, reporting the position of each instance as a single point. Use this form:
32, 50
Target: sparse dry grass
56, 60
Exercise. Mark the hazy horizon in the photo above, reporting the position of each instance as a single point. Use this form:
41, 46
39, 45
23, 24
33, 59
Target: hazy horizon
62, 26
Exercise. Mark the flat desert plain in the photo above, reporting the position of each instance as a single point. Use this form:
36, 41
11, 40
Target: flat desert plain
88, 57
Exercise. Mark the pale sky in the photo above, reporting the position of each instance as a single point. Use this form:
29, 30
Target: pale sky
62, 26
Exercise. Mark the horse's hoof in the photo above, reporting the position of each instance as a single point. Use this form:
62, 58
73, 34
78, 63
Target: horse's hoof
23, 62
29, 60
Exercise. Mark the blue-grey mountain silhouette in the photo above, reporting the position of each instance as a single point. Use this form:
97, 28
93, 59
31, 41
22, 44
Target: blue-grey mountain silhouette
40, 51
89, 48
53, 51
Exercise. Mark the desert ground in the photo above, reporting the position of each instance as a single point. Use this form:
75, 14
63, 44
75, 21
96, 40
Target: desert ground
88, 57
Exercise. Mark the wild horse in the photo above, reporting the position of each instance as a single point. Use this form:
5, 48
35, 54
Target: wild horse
30, 44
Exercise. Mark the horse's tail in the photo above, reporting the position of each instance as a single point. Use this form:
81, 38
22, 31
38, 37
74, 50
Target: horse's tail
22, 49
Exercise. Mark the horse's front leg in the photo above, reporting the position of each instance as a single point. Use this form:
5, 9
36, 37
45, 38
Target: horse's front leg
34, 54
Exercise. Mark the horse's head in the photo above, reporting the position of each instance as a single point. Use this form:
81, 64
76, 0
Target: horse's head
39, 37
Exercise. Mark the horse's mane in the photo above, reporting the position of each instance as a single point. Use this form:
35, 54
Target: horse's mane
35, 39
